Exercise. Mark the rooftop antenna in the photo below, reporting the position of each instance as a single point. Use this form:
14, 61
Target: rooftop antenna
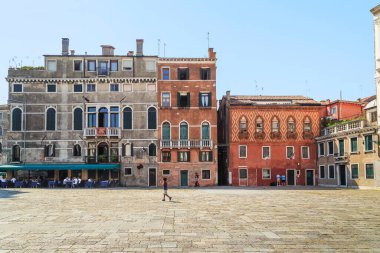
208, 39
158, 46
340, 93
256, 88
164, 48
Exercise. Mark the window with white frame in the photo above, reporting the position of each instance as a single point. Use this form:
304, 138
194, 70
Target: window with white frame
243, 173
368, 143
127, 65
354, 144
331, 171
330, 148
128, 171
114, 65
166, 172
114, 87
51, 88
289, 152
242, 151
354, 171
17, 87
78, 87
91, 87
321, 149
266, 174
91, 65
150, 66
305, 152
206, 174
369, 172
51, 65
266, 152
321, 171
165, 99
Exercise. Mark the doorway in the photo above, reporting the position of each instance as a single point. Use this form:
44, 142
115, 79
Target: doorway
152, 177
103, 152
310, 177
291, 177
184, 178
342, 175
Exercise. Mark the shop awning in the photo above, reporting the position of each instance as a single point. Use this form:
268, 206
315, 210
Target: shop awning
59, 166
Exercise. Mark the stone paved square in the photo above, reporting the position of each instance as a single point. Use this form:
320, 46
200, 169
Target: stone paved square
197, 220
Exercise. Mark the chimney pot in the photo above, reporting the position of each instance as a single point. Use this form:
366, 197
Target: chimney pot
72, 52
130, 53
107, 50
65, 46
211, 53
139, 47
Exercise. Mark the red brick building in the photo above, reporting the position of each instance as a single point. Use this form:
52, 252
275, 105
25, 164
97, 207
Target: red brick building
343, 109
263, 136
187, 118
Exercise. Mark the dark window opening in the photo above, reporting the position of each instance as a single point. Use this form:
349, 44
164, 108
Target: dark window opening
78, 65
50, 119
183, 74
17, 87
77, 150
183, 99
78, 119
205, 156
50, 150
205, 74
51, 88
152, 118
206, 174
127, 118
183, 156
166, 156
205, 99
78, 87
16, 119
152, 149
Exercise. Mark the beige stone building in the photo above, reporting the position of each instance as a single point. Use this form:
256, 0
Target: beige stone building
348, 152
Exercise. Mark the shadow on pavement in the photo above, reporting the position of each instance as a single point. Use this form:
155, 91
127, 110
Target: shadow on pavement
6, 194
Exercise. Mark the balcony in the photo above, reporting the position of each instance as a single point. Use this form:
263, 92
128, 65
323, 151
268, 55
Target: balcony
344, 127
205, 143
102, 132
102, 159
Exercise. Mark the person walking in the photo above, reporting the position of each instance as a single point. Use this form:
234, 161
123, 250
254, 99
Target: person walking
283, 180
166, 190
278, 177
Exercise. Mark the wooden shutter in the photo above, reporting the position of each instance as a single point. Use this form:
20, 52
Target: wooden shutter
210, 157
131, 149
178, 99
188, 156
178, 155
209, 99
188, 100
187, 74
123, 149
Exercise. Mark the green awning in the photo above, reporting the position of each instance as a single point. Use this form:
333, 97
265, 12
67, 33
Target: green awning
59, 166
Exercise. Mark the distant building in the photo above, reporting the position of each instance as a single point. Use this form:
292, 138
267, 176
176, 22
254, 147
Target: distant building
343, 109
348, 152
261, 137
187, 120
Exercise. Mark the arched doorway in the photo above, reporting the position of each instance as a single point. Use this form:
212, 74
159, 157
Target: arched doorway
103, 152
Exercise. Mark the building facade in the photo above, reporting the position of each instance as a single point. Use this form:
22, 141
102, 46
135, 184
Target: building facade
265, 136
88, 116
187, 130
348, 152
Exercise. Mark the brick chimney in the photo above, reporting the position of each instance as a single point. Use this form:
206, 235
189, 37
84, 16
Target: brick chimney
65, 46
107, 50
130, 53
139, 47
211, 53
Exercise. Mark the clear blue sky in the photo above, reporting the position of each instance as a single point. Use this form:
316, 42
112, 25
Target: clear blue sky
295, 47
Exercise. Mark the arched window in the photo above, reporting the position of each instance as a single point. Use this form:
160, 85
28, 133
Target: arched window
291, 125
205, 131
103, 117
259, 125
275, 125
166, 131
152, 149
50, 119
78, 119
243, 124
16, 119
77, 150
152, 118
307, 125
183, 131
127, 118
16, 153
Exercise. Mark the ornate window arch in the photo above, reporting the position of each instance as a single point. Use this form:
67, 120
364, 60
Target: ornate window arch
275, 125
243, 124
291, 125
307, 124
50, 119
259, 125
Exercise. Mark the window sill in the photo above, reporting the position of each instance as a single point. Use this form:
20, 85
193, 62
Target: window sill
354, 153
205, 107
183, 107
369, 151
165, 107
266, 178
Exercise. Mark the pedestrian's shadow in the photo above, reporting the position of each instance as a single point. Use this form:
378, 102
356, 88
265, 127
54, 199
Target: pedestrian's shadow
174, 201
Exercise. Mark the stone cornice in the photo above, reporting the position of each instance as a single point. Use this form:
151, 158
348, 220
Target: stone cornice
81, 80
189, 60
346, 133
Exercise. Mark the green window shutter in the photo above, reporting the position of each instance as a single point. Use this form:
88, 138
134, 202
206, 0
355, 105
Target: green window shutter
178, 99
188, 156
209, 100
211, 158
178, 77
187, 74
188, 100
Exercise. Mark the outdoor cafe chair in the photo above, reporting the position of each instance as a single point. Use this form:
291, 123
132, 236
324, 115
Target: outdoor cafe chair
51, 184
19, 184
104, 184
34, 184
4, 184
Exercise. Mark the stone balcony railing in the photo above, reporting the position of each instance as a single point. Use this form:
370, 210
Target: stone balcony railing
344, 127
102, 132
205, 143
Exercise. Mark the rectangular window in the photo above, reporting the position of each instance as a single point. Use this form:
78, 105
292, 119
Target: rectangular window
91, 87
266, 152
330, 147
354, 171
333, 110
51, 88
373, 116
321, 149
17, 87
369, 174
289, 152
305, 152
331, 171
114, 87
127, 149
52, 65
205, 99
165, 74
321, 171
150, 66
205, 156
368, 143
114, 116
77, 65
243, 151
166, 172
266, 174
243, 174
165, 96
91, 117
205, 74
354, 144
128, 65
183, 99
206, 174
78, 87
183, 156
128, 171
341, 147
91, 65
183, 74
114, 65
166, 156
